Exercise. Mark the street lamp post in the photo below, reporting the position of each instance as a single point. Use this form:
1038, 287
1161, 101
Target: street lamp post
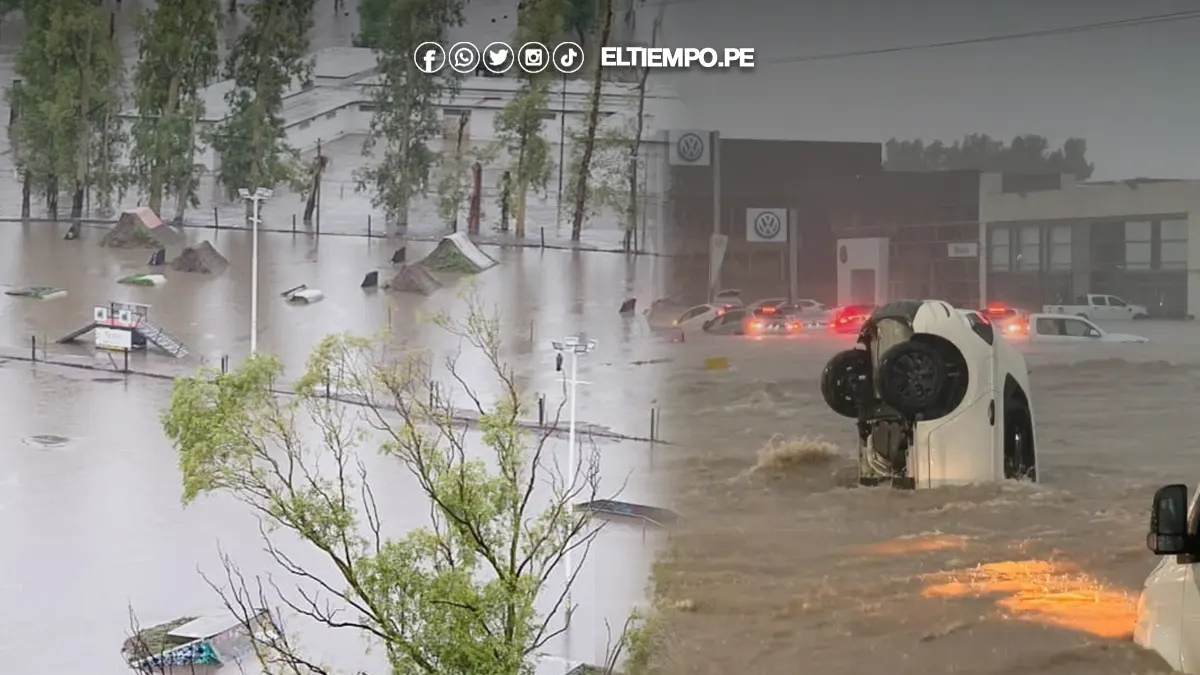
575, 345
256, 199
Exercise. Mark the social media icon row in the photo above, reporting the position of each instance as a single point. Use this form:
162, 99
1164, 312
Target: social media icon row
498, 57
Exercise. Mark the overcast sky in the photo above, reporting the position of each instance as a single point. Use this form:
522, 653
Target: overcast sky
1133, 93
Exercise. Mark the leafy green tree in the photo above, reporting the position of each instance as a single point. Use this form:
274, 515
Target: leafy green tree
519, 126
582, 172
372, 23
407, 105
608, 175
1027, 153
70, 71
459, 595
268, 58
177, 59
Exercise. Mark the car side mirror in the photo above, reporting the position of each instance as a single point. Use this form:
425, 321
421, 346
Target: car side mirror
1168, 521
1093, 333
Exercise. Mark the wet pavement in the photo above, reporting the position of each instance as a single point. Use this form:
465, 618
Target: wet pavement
94, 526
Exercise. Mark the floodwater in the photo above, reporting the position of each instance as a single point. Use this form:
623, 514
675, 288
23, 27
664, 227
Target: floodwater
780, 563
94, 526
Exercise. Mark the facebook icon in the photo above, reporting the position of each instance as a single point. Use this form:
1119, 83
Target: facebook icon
430, 57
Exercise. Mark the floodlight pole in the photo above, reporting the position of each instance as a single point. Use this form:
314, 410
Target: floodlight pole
575, 345
256, 198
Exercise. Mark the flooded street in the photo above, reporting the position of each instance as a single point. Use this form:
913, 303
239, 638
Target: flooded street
94, 526
780, 563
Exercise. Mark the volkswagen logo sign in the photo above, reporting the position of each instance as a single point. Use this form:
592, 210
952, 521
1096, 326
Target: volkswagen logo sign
690, 147
767, 225
843, 255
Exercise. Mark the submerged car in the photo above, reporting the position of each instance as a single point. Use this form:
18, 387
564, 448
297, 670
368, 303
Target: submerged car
849, 318
938, 398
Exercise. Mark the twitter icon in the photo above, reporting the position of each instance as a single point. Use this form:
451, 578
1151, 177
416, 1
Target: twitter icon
498, 58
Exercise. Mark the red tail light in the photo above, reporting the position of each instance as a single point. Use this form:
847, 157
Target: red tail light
768, 310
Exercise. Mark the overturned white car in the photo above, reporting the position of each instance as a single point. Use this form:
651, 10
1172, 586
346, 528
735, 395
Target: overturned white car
940, 398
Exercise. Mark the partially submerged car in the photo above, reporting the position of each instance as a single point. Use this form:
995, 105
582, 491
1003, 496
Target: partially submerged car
849, 318
938, 398
1168, 612
696, 317
1064, 328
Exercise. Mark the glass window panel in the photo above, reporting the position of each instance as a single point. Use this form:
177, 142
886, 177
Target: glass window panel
1137, 230
1137, 255
1060, 256
998, 236
1000, 258
1173, 255
1174, 230
1060, 234
1030, 251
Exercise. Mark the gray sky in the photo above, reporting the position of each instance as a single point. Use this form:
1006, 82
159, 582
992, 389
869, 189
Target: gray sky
1133, 93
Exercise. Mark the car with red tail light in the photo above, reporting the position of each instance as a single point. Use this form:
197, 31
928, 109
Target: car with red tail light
849, 318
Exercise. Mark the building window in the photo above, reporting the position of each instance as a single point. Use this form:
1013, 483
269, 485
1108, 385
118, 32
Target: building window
998, 247
1138, 234
1060, 247
1173, 240
1029, 248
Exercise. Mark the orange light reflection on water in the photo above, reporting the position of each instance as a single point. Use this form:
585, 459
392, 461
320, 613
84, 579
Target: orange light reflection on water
1050, 593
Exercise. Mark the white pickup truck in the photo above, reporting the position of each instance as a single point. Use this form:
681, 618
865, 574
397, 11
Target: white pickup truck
1099, 307
1054, 328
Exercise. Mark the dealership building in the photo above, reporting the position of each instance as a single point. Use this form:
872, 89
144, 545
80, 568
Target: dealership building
1128, 238
868, 235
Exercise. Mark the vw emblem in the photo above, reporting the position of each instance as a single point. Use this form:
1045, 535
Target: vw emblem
843, 255
767, 225
690, 147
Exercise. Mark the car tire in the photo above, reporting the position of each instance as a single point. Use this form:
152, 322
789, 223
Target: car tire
839, 381
912, 378
1020, 460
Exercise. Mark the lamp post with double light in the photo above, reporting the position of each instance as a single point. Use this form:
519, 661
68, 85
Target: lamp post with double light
256, 199
573, 346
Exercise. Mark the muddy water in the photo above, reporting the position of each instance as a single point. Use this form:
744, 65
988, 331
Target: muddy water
94, 526
784, 564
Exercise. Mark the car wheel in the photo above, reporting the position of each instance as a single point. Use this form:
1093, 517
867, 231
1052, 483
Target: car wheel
1020, 460
912, 378
840, 381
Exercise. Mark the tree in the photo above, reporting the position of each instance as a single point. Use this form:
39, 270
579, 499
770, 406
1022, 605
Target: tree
1027, 153
582, 173
177, 58
408, 105
69, 71
519, 125
609, 172
372, 23
268, 58
635, 147
456, 596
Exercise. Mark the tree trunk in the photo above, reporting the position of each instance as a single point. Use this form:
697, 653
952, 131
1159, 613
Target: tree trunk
26, 193
52, 197
154, 188
635, 150
522, 190
77, 202
310, 206
589, 140
83, 153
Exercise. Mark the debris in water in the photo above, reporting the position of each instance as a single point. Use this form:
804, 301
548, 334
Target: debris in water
37, 292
